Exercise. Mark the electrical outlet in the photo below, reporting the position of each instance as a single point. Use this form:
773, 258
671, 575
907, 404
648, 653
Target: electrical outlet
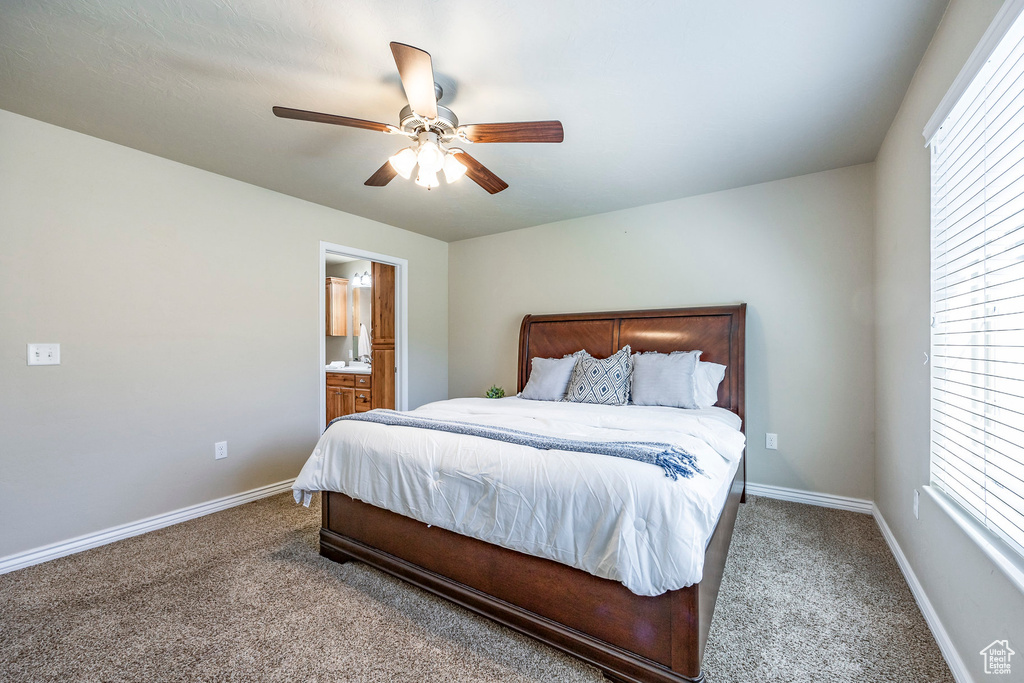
220, 450
771, 441
917, 498
44, 354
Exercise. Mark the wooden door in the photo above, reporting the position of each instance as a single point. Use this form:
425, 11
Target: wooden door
348, 401
340, 401
383, 337
334, 402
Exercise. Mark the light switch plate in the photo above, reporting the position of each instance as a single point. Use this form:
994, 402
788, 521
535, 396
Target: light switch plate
44, 354
917, 500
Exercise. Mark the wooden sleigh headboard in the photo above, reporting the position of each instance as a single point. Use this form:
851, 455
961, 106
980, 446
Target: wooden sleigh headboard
718, 331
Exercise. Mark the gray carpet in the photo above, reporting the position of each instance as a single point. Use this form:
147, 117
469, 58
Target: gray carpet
809, 595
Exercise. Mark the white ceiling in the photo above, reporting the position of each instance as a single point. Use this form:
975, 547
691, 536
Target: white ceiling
659, 99
337, 259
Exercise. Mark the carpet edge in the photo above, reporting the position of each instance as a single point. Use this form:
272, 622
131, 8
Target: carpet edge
52, 551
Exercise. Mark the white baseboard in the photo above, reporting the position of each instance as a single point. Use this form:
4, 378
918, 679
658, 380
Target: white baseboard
75, 545
956, 664
825, 500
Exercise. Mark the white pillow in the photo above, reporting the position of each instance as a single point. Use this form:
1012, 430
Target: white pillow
661, 379
548, 378
708, 377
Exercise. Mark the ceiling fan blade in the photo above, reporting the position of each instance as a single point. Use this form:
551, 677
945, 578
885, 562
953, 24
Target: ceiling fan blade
479, 174
303, 115
417, 75
382, 176
524, 131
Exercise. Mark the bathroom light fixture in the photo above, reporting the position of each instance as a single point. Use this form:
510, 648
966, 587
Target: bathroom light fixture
363, 280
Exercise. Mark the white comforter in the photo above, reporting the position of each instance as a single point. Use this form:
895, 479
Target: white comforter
616, 518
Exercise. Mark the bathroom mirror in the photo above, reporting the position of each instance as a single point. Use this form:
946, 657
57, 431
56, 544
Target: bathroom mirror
362, 315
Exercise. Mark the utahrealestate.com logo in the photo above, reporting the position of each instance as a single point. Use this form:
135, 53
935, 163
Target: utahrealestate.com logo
997, 657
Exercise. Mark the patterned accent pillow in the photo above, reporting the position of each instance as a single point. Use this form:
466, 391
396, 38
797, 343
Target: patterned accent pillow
601, 380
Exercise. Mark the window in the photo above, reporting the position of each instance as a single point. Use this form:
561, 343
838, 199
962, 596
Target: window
977, 292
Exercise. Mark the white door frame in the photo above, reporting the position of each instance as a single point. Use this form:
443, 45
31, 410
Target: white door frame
401, 321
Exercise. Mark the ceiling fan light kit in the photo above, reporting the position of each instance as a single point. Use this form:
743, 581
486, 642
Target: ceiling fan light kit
404, 162
427, 179
433, 127
429, 157
453, 169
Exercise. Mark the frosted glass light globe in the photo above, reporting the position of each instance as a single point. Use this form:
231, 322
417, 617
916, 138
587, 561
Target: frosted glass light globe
430, 157
453, 168
427, 179
404, 162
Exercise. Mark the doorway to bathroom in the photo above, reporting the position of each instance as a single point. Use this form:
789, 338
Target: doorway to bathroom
363, 331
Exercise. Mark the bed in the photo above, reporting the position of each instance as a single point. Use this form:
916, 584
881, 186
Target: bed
628, 636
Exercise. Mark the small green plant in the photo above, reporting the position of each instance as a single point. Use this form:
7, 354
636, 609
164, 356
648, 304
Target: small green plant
495, 392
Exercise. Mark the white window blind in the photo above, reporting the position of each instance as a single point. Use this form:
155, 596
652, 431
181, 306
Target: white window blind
977, 286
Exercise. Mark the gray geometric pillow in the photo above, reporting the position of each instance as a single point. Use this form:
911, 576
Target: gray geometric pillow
601, 380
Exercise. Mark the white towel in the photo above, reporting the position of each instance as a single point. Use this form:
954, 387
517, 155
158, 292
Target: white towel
364, 341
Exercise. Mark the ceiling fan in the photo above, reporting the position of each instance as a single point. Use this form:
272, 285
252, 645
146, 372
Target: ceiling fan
433, 128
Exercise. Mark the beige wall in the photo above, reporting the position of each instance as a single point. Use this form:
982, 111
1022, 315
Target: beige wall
185, 304
972, 598
798, 251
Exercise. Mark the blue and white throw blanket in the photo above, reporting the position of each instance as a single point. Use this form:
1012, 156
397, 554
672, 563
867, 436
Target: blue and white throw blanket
674, 460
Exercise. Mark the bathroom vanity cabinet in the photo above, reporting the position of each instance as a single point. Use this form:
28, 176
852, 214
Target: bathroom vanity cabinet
347, 393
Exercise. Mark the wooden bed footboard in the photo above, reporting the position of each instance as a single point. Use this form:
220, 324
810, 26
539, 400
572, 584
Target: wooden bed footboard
640, 639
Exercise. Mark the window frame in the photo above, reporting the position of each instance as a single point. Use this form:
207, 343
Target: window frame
1007, 557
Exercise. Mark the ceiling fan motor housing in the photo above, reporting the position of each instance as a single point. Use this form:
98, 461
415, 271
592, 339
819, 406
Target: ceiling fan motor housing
445, 124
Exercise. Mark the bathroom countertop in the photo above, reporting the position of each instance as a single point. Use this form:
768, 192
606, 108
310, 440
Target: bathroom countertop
350, 371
